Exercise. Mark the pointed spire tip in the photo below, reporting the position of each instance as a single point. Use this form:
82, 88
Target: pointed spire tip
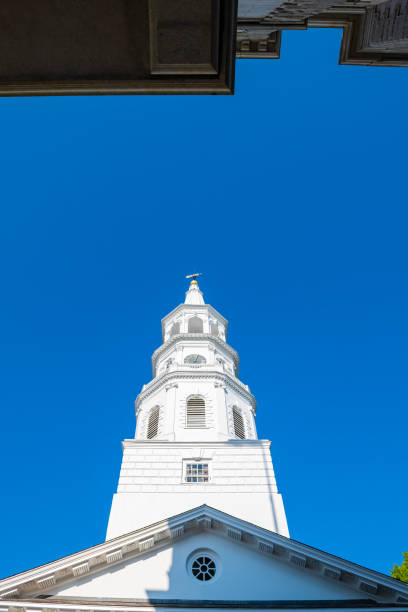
194, 295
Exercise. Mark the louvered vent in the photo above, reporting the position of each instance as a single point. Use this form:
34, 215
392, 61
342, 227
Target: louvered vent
153, 425
239, 427
195, 413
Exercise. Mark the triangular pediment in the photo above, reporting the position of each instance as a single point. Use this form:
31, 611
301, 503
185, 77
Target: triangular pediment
154, 563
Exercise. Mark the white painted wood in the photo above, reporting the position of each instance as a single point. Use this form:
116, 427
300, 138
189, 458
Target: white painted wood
213, 528
195, 401
241, 575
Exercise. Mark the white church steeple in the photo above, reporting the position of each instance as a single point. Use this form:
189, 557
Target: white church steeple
196, 440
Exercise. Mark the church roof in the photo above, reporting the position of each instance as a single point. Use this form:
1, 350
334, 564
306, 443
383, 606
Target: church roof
30, 590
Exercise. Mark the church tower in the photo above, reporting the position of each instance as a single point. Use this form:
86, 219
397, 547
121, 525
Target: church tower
196, 440
197, 523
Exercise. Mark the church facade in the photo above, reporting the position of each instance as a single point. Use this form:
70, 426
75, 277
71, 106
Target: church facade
197, 521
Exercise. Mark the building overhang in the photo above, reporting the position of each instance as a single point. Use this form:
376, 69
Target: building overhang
356, 25
117, 47
89, 605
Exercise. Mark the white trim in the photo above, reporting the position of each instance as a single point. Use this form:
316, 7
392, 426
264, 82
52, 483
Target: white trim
230, 381
194, 307
204, 336
312, 560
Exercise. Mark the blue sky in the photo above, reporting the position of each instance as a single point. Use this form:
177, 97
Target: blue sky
291, 198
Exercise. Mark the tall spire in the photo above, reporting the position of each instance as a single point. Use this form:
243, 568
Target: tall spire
195, 441
194, 295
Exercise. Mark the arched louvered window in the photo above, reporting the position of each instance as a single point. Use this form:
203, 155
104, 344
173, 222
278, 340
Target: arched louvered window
175, 329
195, 325
239, 426
195, 417
153, 424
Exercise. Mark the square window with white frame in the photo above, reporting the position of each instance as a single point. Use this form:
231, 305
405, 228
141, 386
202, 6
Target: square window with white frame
196, 471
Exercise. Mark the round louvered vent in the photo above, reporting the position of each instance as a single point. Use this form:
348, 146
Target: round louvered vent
203, 567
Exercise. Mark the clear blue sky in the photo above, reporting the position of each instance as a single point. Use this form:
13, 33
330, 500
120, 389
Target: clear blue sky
291, 197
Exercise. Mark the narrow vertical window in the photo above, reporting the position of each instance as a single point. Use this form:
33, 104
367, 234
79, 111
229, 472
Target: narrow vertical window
214, 329
239, 426
195, 417
175, 329
153, 424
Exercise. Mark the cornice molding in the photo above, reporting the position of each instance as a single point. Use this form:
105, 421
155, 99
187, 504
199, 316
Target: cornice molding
130, 442
353, 22
222, 377
208, 337
35, 582
113, 605
133, 605
257, 40
198, 308
363, 23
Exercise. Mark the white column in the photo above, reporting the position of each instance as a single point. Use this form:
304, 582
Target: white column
171, 402
221, 410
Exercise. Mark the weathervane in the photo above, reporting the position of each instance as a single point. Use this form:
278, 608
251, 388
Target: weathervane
194, 276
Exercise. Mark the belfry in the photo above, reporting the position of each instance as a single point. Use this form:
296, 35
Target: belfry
197, 521
196, 441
